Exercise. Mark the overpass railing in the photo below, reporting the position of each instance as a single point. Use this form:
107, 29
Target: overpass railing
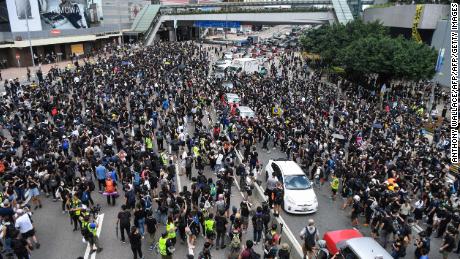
247, 10
246, 4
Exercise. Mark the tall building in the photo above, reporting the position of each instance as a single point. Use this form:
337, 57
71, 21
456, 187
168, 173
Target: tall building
60, 28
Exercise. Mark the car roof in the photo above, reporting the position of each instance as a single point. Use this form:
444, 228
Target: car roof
332, 238
366, 248
245, 109
289, 168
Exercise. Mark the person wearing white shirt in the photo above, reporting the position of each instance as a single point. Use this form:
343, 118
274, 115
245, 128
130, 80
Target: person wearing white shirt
25, 227
219, 159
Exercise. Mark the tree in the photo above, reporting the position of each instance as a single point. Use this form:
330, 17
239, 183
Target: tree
328, 40
389, 58
364, 50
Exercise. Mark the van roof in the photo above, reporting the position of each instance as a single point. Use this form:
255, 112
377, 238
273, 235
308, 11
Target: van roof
232, 96
245, 109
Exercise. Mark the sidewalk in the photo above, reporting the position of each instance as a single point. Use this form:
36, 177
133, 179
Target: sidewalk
21, 72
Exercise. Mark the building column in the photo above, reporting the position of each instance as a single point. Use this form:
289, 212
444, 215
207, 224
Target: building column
172, 34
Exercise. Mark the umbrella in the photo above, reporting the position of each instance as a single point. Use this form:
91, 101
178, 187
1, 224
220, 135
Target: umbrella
181, 66
377, 125
338, 136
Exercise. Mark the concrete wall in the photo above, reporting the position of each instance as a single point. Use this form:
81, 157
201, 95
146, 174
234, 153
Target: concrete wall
441, 39
402, 16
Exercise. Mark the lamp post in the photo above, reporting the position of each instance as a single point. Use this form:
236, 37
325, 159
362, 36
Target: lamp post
119, 21
30, 41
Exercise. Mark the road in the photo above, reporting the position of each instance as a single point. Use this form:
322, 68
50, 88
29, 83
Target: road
59, 242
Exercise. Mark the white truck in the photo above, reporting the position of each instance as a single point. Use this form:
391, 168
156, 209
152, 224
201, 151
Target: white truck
248, 65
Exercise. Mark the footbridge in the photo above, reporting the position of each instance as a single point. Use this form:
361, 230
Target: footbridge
153, 17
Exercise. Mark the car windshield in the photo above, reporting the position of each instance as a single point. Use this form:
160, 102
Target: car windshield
297, 182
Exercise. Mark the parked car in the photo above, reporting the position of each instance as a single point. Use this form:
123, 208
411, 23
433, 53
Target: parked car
350, 243
299, 196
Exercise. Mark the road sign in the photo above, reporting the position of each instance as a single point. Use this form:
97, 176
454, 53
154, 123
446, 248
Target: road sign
18, 56
217, 24
55, 31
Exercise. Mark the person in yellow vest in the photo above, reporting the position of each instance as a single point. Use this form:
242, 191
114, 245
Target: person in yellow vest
148, 144
334, 186
196, 151
84, 221
165, 246
164, 158
210, 228
75, 211
171, 229
93, 239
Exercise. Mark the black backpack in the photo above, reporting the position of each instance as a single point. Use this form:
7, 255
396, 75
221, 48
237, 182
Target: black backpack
254, 255
310, 237
86, 233
91, 186
259, 223
188, 162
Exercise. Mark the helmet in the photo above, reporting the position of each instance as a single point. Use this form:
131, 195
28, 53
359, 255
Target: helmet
356, 198
92, 225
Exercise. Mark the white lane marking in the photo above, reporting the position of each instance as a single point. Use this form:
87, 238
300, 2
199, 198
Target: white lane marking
99, 221
279, 219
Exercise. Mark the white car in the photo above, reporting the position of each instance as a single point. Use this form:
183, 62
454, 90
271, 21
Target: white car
299, 196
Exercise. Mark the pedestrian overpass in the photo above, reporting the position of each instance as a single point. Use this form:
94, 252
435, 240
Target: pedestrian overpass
153, 17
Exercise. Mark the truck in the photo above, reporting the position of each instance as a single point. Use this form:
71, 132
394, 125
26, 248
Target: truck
248, 65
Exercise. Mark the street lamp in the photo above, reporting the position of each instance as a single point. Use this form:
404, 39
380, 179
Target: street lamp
28, 37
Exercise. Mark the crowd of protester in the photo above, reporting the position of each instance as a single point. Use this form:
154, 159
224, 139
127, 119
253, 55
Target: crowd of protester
127, 122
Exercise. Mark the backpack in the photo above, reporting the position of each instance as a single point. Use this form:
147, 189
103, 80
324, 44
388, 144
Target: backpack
322, 253
213, 190
65, 144
85, 233
254, 255
137, 178
11, 231
91, 186
220, 206
259, 223
236, 242
2, 167
147, 203
426, 244
310, 237
205, 213
131, 197
188, 162
84, 197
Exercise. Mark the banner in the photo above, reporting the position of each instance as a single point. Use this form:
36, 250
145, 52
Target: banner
53, 14
440, 60
217, 24
23, 14
70, 14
